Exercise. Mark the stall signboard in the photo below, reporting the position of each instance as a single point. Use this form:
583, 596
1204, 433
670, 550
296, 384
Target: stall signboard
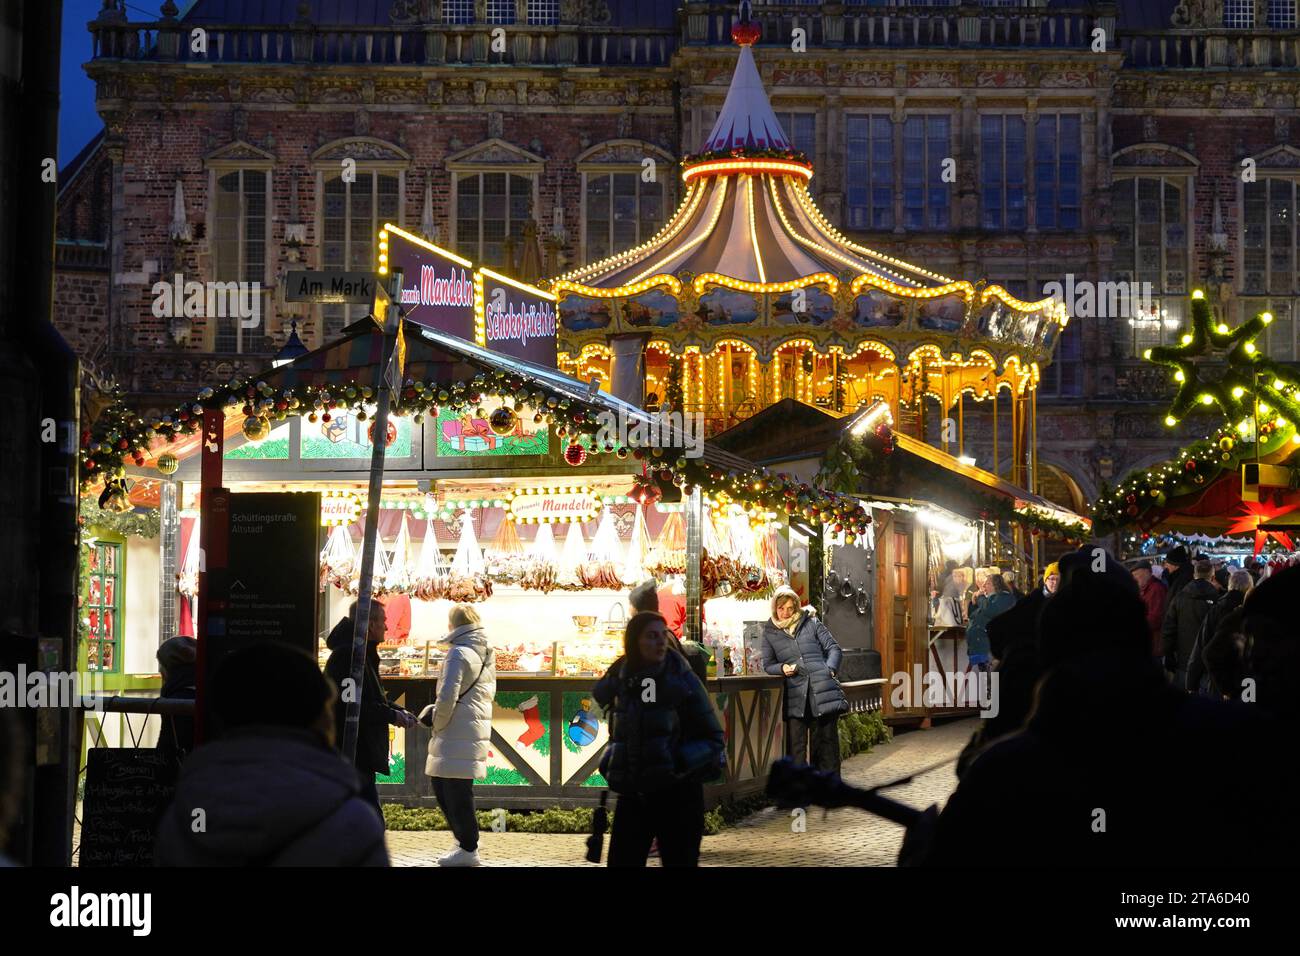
437, 285
339, 508
540, 505
273, 573
518, 320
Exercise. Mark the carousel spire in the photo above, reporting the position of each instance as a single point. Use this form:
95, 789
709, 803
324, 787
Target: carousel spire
746, 120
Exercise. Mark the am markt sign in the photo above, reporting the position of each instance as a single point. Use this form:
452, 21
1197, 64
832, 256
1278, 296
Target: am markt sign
350, 288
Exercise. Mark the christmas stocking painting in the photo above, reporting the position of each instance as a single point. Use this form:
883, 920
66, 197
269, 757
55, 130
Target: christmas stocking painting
533, 718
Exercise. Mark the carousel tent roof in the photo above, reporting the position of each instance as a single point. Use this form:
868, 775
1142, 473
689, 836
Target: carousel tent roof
748, 222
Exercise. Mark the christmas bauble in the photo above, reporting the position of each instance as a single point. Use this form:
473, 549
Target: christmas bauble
390, 433
503, 421
256, 428
168, 463
575, 454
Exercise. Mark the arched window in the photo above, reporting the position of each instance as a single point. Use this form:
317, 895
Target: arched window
351, 214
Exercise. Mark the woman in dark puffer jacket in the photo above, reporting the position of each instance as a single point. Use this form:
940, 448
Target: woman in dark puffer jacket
799, 647
665, 742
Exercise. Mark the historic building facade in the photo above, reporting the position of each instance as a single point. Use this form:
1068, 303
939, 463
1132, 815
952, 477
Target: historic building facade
1145, 142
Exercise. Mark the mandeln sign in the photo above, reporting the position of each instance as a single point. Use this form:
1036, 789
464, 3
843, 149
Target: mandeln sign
437, 285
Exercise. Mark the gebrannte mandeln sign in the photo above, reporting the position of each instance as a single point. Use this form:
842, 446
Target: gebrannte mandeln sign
437, 285
538, 506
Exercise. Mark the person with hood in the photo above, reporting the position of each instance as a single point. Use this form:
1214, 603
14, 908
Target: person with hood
801, 648
951, 603
665, 742
1183, 618
377, 712
461, 720
995, 600
1155, 596
1199, 678
271, 786
176, 661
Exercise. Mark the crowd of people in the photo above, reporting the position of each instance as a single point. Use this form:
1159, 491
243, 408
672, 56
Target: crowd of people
1141, 722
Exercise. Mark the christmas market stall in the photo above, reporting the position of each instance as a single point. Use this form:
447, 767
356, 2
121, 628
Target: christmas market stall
896, 597
1233, 493
503, 487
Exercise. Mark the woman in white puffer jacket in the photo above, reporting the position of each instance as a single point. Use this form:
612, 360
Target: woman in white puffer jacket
461, 719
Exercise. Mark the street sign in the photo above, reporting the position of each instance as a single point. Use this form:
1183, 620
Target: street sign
351, 288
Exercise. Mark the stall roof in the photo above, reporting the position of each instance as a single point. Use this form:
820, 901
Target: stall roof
791, 431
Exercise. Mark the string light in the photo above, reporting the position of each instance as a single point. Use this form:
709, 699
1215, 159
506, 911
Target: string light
750, 167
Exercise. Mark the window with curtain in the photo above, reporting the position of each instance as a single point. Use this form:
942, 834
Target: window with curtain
457, 11
621, 211
870, 172
1058, 157
490, 207
543, 12
926, 144
1239, 14
801, 130
1002, 170
239, 244
1150, 218
352, 215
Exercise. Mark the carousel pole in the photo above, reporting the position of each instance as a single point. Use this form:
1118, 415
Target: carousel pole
361, 624
692, 627
997, 462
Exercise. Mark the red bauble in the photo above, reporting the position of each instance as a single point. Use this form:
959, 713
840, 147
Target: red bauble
1191, 465
390, 433
575, 454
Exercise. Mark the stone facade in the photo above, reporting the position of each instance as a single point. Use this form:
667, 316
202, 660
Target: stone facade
427, 106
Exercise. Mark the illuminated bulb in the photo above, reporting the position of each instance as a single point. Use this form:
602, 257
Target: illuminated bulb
1179, 376
1250, 348
1223, 329
1279, 384
1238, 392
1187, 340
1207, 399
1243, 426
1198, 294
1171, 421
1266, 317
1146, 354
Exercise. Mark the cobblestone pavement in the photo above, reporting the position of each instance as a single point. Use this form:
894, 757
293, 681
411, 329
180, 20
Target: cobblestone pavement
840, 838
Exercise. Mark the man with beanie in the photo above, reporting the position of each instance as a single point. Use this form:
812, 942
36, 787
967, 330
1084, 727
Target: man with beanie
1178, 570
644, 597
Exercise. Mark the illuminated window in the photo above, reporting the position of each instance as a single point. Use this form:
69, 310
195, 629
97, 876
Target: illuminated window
1269, 239
543, 12
801, 130
1150, 218
501, 11
103, 608
1281, 14
1239, 14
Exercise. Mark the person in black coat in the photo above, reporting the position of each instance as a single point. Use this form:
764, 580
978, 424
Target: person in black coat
377, 711
176, 663
799, 647
1183, 618
665, 743
1199, 678
1178, 571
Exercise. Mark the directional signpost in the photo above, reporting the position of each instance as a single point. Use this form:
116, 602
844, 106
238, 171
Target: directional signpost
349, 288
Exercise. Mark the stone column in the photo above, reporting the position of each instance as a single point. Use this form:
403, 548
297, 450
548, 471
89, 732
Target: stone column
1031, 171
627, 366
898, 116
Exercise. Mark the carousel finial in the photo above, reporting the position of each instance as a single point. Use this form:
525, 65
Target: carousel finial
745, 32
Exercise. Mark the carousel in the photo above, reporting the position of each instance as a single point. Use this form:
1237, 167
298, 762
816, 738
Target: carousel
749, 296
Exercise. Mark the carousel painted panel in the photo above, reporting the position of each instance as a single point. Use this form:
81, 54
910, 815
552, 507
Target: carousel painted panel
579, 313
946, 313
811, 306
655, 309
876, 309
725, 306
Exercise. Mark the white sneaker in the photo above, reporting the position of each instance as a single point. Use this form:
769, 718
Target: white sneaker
459, 857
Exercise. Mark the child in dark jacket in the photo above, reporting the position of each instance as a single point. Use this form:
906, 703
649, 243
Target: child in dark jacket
665, 742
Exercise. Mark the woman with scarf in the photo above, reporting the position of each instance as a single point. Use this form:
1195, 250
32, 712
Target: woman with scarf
800, 648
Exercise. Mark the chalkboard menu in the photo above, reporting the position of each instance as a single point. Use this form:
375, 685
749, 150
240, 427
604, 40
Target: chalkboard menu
127, 791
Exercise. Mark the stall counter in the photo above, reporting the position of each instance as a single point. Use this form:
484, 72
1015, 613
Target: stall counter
548, 736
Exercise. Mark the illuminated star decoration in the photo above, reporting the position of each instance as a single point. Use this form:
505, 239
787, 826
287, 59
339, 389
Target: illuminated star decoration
1252, 383
1257, 513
